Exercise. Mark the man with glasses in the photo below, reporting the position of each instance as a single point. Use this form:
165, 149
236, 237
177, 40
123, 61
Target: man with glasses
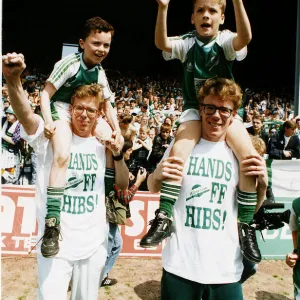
203, 255
83, 229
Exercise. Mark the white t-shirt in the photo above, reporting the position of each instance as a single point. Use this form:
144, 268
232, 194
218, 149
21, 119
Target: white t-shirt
83, 212
205, 247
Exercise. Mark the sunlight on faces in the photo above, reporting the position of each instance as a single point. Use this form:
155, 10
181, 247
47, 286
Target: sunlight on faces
96, 47
207, 17
82, 123
214, 126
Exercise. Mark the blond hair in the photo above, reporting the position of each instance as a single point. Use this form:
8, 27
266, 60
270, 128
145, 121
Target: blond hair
225, 88
222, 4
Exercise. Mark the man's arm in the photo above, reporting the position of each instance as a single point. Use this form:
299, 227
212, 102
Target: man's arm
243, 27
162, 41
170, 167
13, 65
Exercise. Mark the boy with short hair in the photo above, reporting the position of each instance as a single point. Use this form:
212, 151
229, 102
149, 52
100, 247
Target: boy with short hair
69, 73
206, 53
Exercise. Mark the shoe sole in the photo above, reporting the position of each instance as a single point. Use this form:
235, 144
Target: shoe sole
251, 259
50, 255
152, 245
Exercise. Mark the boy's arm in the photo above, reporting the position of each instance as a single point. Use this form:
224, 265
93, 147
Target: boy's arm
168, 168
243, 27
13, 65
48, 92
162, 41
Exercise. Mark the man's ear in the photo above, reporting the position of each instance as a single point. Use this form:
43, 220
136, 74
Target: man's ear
70, 109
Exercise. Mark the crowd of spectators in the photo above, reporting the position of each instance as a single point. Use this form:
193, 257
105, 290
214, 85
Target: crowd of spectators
147, 110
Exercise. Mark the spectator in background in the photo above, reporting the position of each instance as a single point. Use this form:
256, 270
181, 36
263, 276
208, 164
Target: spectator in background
257, 129
160, 143
285, 145
142, 146
128, 130
10, 160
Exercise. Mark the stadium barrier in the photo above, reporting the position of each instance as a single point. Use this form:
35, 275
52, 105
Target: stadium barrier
19, 226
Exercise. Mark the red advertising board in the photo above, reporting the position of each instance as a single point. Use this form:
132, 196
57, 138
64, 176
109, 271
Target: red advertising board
18, 225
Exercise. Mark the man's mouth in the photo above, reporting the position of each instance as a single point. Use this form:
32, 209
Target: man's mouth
214, 125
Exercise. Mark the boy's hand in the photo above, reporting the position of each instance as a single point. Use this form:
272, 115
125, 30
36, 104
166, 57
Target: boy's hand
49, 130
169, 168
291, 259
163, 2
13, 65
254, 165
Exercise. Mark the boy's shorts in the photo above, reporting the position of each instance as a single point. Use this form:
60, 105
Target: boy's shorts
60, 111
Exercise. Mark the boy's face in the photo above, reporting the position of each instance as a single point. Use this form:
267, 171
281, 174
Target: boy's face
95, 47
143, 135
165, 134
207, 17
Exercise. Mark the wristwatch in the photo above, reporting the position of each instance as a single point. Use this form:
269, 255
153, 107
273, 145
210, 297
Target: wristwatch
119, 157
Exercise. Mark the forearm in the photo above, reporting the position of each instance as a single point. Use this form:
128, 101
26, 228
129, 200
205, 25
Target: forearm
154, 184
161, 38
21, 105
111, 115
243, 27
122, 174
45, 106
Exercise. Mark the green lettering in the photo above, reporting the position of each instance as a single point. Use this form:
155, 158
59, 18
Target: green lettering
94, 160
74, 205
76, 162
228, 172
68, 203
81, 161
81, 206
202, 168
190, 211
220, 169
222, 192
211, 167
192, 166
206, 218
88, 162
70, 163
90, 203
214, 188
216, 219
199, 209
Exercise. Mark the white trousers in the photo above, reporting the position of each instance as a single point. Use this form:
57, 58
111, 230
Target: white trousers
54, 275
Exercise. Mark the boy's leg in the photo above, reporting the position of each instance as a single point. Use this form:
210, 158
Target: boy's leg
61, 143
248, 198
187, 137
86, 275
54, 275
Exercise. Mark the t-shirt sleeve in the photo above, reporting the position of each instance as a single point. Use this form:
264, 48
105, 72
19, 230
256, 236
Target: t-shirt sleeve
225, 39
107, 93
63, 70
37, 141
292, 224
180, 47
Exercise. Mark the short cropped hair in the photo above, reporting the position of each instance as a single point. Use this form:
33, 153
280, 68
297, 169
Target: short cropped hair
127, 145
91, 90
125, 119
225, 88
222, 4
289, 124
95, 24
165, 127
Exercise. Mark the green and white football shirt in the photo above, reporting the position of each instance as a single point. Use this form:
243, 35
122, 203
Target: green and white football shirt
71, 72
202, 62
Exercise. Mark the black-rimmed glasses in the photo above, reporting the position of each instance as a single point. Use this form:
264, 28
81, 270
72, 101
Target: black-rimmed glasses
210, 109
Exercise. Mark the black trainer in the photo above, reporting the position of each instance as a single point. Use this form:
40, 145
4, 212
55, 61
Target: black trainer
108, 281
161, 228
50, 246
248, 242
